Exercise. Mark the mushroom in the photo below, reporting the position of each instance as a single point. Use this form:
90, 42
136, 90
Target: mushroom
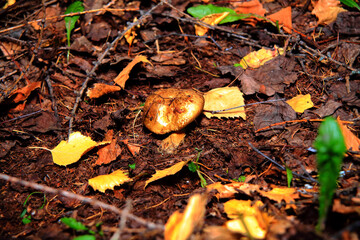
171, 110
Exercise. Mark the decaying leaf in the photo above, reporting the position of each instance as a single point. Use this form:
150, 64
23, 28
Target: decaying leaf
283, 17
9, 3
327, 11
100, 89
233, 208
301, 102
280, 194
109, 181
170, 144
181, 225
68, 152
166, 172
110, 152
224, 98
257, 58
133, 148
9, 48
253, 6
212, 19
351, 141
124, 74
130, 34
23, 93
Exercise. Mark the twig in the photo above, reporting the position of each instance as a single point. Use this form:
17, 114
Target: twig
22, 116
279, 166
123, 219
93, 202
51, 92
92, 72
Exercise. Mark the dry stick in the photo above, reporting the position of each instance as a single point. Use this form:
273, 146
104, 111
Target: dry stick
22, 116
92, 72
93, 202
279, 166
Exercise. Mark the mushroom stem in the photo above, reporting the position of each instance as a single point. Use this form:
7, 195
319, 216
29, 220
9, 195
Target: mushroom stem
172, 142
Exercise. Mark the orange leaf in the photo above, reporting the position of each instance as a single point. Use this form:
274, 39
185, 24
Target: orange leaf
327, 11
279, 194
181, 225
351, 141
133, 148
23, 93
124, 74
212, 20
283, 17
170, 144
100, 89
109, 152
253, 6
109, 181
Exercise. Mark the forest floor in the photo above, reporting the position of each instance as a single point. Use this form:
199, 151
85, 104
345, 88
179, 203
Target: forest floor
40, 88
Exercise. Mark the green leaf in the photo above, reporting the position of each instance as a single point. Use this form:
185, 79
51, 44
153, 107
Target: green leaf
289, 176
85, 237
202, 179
72, 223
204, 10
70, 21
193, 167
132, 166
350, 3
26, 220
330, 146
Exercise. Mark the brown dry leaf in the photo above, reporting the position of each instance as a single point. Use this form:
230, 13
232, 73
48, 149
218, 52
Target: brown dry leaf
110, 152
253, 6
9, 48
257, 58
133, 148
224, 98
229, 190
279, 194
343, 209
327, 11
212, 20
181, 225
351, 141
68, 152
301, 102
247, 218
283, 17
23, 93
109, 181
166, 172
100, 89
124, 74
170, 144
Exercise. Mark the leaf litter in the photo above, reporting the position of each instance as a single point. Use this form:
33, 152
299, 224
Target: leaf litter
319, 65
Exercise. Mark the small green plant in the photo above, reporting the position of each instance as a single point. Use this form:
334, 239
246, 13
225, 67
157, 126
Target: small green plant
132, 166
330, 146
289, 176
241, 178
78, 226
75, 7
25, 218
350, 3
194, 167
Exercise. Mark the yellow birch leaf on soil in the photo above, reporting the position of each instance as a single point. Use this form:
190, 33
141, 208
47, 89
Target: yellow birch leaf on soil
257, 58
224, 98
181, 225
124, 74
166, 172
109, 181
301, 102
351, 141
233, 208
327, 11
100, 89
68, 152
212, 20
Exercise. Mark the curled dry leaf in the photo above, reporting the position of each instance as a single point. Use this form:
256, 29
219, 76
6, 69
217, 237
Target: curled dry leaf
212, 19
109, 181
23, 93
100, 89
68, 152
108, 153
351, 141
301, 102
257, 58
224, 98
169, 110
327, 11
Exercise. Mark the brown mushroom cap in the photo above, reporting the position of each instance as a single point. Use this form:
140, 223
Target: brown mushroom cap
171, 109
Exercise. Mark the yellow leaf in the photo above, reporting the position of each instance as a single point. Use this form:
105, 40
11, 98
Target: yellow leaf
9, 3
279, 194
251, 224
166, 172
181, 225
104, 182
300, 103
68, 152
212, 20
224, 98
130, 34
124, 74
327, 10
257, 58
233, 208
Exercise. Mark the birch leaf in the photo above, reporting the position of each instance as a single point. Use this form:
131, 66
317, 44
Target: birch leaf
109, 181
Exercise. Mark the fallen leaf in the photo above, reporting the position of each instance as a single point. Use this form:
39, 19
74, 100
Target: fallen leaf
9, 48
351, 141
254, 7
301, 102
234, 208
124, 74
109, 181
181, 225
110, 152
327, 11
9, 3
257, 58
171, 143
280, 194
166, 172
224, 98
133, 148
229, 190
343, 209
212, 19
130, 34
23, 93
68, 152
283, 17
100, 89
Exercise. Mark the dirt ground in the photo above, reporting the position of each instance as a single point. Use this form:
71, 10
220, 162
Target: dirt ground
39, 89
